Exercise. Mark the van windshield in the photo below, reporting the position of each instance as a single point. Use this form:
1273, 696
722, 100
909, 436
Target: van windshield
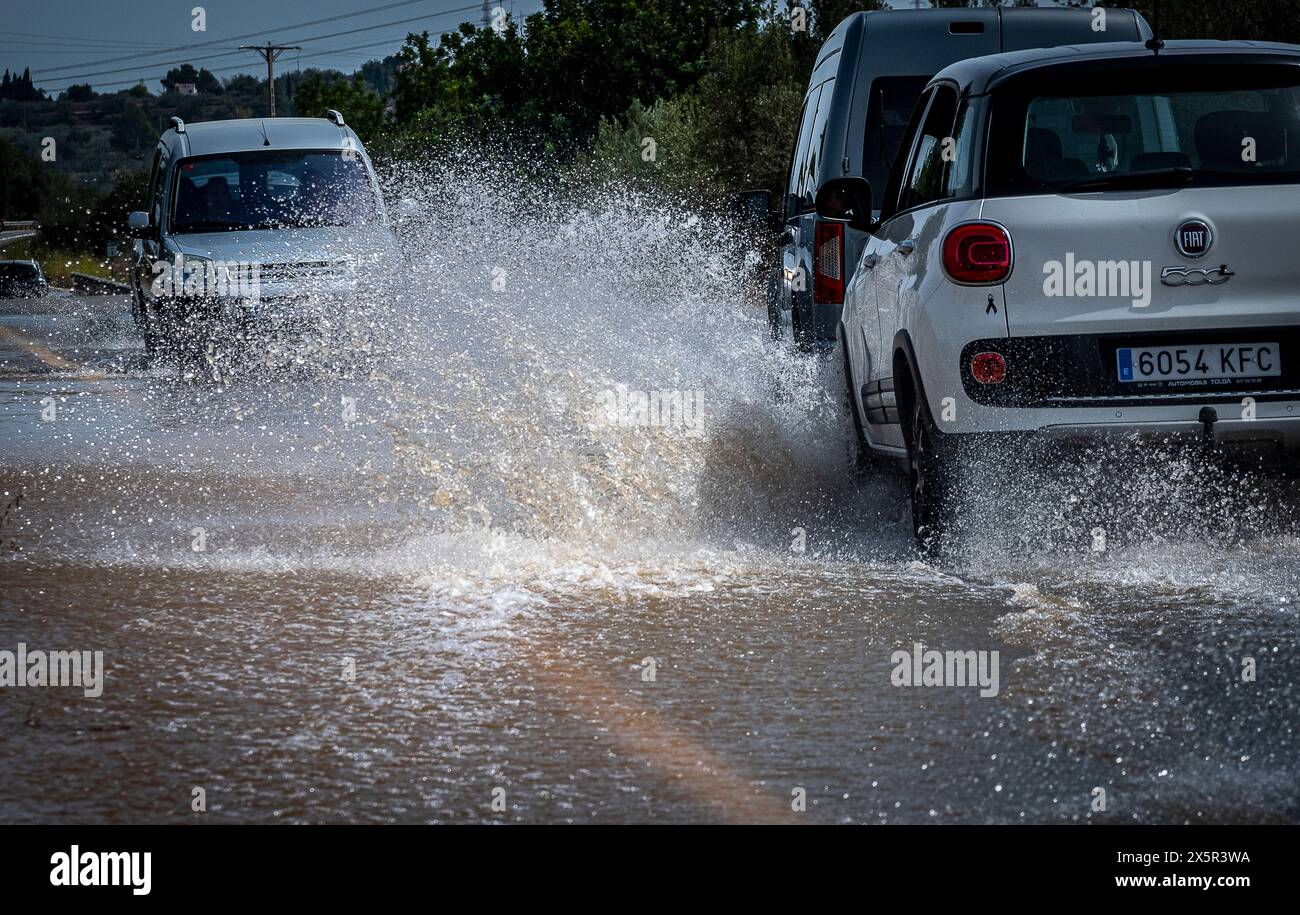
1146, 127
269, 190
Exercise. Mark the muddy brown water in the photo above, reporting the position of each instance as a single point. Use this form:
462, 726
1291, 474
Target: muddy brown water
457, 603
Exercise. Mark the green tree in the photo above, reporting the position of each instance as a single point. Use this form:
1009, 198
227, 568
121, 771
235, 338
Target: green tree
473, 82
108, 216
362, 108
26, 184
576, 62
208, 82
732, 130
1255, 20
185, 73
133, 129
78, 92
20, 88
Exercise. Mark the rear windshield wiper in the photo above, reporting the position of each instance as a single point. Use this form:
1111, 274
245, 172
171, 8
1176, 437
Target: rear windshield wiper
1156, 177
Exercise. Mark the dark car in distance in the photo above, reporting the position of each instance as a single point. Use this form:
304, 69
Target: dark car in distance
21, 279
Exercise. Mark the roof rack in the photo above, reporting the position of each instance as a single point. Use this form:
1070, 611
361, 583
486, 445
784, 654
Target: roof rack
335, 117
178, 124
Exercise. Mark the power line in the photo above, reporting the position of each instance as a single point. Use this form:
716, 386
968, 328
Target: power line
75, 47
257, 34
191, 59
320, 53
271, 53
67, 38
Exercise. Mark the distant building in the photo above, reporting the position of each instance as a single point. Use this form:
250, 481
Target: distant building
186, 88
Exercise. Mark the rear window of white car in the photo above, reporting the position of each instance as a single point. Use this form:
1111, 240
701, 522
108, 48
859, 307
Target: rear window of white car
1150, 126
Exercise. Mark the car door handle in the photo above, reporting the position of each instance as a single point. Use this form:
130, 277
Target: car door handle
907, 246
871, 260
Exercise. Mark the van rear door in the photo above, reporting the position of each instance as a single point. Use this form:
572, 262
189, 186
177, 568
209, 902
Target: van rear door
901, 50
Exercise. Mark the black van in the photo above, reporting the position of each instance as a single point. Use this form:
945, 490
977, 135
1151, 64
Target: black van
868, 77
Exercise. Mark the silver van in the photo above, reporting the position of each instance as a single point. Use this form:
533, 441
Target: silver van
254, 223
867, 79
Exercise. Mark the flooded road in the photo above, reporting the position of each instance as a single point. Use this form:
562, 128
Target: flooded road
453, 587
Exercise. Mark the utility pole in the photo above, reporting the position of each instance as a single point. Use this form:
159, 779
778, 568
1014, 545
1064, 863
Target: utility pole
271, 53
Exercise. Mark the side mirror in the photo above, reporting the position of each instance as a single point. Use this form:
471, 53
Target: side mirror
847, 200
408, 207
138, 222
754, 206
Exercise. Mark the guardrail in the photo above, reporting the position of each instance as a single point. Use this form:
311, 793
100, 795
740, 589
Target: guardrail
17, 230
85, 284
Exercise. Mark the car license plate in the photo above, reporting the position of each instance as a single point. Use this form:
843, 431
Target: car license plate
1199, 361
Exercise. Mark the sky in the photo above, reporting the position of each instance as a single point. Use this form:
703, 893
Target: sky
112, 44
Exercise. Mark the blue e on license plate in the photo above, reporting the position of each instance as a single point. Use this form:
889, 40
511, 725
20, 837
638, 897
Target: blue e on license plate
1199, 361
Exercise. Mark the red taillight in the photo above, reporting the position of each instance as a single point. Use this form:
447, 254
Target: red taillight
977, 253
988, 368
828, 263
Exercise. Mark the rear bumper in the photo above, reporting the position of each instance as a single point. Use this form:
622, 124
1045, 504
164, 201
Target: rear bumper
1067, 388
1261, 425
1270, 440
826, 318
1080, 370
1274, 449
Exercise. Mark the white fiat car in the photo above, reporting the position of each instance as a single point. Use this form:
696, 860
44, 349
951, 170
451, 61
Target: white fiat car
1078, 241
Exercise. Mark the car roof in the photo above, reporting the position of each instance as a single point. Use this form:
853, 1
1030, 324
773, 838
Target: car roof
251, 134
978, 75
30, 262
910, 25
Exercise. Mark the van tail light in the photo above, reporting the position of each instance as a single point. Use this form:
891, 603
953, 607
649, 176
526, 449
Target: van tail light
828, 263
977, 254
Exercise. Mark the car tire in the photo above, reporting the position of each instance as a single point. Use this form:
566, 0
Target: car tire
932, 475
204, 363
201, 356
774, 324
153, 340
137, 308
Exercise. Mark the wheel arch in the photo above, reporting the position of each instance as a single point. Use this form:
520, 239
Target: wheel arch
907, 382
